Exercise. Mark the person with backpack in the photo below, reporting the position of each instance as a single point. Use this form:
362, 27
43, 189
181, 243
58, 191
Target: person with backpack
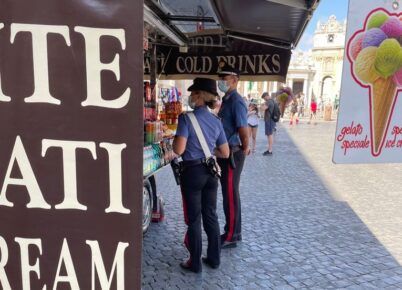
271, 116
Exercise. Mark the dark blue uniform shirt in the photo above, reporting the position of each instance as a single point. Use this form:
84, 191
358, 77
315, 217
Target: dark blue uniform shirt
233, 113
210, 125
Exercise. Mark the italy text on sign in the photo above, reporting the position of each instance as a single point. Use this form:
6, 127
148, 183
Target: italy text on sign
70, 158
206, 55
370, 120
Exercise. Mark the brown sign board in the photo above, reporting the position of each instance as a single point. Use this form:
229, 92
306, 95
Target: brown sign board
71, 144
206, 54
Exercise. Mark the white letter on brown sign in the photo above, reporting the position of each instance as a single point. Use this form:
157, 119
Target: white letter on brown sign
69, 169
71, 277
115, 177
98, 267
5, 285
27, 268
28, 178
95, 66
3, 97
40, 57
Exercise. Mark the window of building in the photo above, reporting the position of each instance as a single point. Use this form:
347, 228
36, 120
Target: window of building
298, 86
331, 38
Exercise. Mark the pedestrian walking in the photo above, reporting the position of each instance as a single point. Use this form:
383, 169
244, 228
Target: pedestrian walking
321, 106
293, 111
301, 106
253, 121
199, 184
233, 114
313, 111
270, 125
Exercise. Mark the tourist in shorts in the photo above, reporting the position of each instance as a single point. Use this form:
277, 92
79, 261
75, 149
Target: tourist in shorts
253, 120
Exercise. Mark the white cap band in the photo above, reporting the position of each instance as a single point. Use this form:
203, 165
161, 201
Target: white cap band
228, 73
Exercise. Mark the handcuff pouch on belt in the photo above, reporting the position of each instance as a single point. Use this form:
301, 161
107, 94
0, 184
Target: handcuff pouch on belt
210, 160
213, 167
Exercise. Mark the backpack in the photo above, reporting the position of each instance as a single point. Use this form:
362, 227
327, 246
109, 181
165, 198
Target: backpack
276, 113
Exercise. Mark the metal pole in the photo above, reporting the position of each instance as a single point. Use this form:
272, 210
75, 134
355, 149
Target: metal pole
153, 73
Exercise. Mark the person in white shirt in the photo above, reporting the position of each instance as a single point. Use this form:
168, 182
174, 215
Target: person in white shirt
253, 120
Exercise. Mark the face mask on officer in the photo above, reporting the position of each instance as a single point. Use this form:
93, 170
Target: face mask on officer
223, 86
191, 102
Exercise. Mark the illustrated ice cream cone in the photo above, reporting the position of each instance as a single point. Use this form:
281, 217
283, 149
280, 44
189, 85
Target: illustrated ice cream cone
383, 95
376, 56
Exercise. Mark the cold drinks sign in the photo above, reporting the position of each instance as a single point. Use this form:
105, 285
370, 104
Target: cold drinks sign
369, 124
70, 158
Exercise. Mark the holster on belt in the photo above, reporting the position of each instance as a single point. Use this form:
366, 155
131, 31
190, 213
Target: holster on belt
177, 170
233, 150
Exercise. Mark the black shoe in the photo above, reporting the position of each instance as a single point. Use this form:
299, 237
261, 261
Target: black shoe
228, 245
266, 153
186, 266
208, 262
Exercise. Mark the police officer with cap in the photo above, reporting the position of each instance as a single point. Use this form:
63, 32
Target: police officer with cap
199, 186
233, 114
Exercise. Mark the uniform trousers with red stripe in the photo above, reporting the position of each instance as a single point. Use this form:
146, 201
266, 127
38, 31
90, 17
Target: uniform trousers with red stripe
230, 181
199, 192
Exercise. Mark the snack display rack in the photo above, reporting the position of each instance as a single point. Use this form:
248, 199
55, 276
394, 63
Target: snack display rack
159, 128
161, 112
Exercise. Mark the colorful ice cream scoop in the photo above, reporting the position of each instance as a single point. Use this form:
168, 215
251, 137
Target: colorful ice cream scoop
392, 27
376, 20
356, 46
364, 65
373, 37
389, 58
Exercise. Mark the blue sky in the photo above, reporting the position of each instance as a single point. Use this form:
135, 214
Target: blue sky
326, 8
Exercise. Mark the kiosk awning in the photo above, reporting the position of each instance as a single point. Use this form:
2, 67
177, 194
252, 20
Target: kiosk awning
275, 22
256, 36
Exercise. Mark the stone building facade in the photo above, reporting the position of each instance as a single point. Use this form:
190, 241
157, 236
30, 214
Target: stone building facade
319, 72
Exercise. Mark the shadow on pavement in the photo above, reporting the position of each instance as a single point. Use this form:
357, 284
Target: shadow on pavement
295, 234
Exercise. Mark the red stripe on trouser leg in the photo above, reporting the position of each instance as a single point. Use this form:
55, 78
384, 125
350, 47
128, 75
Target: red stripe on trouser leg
231, 205
186, 243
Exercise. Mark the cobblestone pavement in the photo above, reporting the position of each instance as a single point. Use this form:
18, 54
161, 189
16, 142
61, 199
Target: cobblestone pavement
307, 224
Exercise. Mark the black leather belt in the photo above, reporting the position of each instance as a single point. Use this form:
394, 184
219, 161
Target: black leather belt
189, 163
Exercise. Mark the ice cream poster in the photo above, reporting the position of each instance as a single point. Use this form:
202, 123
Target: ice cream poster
369, 127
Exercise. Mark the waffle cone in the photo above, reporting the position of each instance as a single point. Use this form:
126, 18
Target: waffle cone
382, 99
